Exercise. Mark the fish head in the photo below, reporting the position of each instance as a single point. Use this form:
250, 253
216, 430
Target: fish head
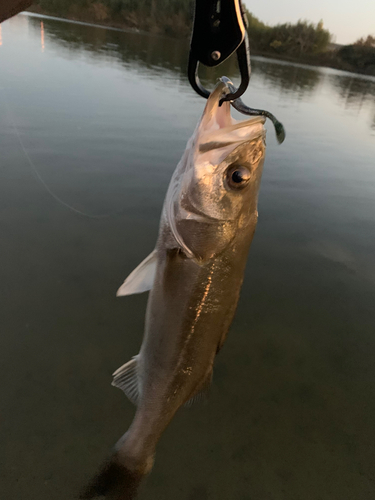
213, 193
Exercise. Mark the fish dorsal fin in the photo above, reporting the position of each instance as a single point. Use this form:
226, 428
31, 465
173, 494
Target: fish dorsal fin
142, 278
126, 378
202, 393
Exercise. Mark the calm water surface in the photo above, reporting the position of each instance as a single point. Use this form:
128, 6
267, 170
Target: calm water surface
100, 118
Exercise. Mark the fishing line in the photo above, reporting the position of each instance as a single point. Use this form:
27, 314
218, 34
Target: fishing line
40, 178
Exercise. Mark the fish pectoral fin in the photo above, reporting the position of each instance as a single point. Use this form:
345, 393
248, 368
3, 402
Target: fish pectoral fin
142, 278
202, 393
126, 378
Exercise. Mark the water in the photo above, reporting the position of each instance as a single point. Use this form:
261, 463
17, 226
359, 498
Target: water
103, 117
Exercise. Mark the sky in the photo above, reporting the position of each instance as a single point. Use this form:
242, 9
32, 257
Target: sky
347, 20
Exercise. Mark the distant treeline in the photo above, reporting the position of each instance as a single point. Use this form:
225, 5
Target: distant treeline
295, 40
169, 17
311, 43
302, 41
360, 56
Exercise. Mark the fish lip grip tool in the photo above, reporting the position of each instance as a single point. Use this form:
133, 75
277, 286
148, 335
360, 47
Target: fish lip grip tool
219, 30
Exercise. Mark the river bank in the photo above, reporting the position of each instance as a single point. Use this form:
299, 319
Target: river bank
347, 58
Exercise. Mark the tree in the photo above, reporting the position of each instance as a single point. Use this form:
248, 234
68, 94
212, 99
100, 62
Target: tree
366, 42
360, 56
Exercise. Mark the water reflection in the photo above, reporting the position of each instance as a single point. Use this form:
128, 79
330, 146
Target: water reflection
151, 52
291, 79
356, 93
154, 55
42, 35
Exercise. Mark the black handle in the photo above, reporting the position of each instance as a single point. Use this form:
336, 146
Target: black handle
219, 29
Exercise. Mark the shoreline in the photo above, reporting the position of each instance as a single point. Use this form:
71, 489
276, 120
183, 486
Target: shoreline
310, 61
32, 13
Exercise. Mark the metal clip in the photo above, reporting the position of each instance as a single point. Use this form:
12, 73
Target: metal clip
219, 30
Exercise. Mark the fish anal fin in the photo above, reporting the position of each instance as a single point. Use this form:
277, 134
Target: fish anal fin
126, 378
202, 393
142, 278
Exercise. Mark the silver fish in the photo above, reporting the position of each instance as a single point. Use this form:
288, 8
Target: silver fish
194, 276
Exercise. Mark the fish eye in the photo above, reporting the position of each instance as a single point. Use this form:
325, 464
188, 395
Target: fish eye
237, 176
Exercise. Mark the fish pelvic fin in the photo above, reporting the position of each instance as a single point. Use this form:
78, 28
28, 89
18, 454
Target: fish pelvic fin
142, 278
126, 378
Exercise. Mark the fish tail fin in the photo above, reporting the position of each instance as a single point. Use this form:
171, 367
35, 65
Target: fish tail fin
113, 479
120, 476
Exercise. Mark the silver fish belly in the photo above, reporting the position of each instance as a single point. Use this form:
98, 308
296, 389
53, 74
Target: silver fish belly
194, 276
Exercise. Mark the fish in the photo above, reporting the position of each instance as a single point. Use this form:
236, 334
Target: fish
194, 276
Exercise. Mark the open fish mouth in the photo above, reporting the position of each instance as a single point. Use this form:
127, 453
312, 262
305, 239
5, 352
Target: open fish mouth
219, 130
218, 133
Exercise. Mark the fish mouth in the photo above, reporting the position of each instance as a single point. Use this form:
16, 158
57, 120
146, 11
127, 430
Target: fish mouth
218, 129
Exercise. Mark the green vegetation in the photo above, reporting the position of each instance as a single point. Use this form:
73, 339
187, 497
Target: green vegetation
170, 17
303, 41
295, 40
360, 55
